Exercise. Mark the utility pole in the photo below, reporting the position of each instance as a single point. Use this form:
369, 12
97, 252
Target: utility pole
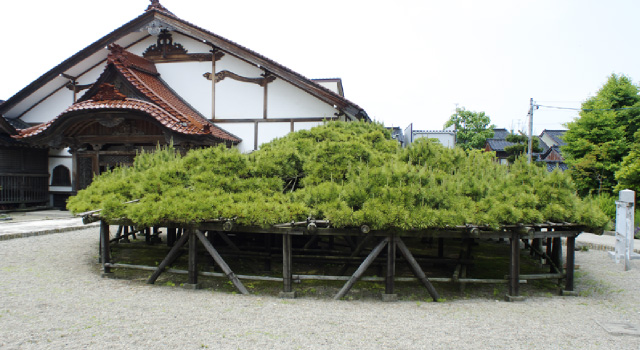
530, 130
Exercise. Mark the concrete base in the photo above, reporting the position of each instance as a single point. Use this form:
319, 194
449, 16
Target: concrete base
192, 286
287, 295
511, 298
389, 297
569, 293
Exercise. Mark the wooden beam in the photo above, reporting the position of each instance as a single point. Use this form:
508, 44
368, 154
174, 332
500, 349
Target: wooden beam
417, 270
223, 265
360, 271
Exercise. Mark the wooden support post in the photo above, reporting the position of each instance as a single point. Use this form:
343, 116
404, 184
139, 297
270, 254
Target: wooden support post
417, 270
514, 269
223, 265
287, 291
169, 259
440, 247
391, 270
147, 235
105, 251
193, 261
361, 269
571, 263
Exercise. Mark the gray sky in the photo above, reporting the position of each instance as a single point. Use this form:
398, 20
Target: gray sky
403, 61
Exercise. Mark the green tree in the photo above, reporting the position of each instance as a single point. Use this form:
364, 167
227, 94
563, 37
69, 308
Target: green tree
472, 128
597, 141
628, 175
521, 146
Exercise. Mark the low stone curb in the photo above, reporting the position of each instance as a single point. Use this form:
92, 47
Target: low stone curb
8, 236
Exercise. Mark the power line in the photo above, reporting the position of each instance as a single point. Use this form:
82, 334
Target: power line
589, 109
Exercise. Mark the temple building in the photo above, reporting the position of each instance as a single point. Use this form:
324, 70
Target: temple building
155, 80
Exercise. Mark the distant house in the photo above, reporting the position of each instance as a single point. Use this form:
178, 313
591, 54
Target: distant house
549, 140
552, 155
446, 137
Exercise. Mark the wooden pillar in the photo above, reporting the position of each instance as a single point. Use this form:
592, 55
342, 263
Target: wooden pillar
571, 263
105, 253
514, 269
193, 260
391, 266
286, 267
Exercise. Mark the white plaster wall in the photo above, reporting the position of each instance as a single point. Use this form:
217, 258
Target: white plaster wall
288, 101
187, 80
446, 140
245, 131
305, 125
238, 100
331, 85
269, 131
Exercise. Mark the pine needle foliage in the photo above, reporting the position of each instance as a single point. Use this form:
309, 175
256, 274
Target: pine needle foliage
349, 173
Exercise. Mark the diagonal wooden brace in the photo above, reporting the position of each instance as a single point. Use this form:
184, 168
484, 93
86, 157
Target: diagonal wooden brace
360, 271
169, 259
417, 270
223, 265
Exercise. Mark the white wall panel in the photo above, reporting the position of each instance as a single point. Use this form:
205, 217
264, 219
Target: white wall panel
269, 131
245, 131
187, 80
287, 101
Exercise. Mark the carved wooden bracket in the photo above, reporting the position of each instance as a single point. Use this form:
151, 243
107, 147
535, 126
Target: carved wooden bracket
164, 47
262, 81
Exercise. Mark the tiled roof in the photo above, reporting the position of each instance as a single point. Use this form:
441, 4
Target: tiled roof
165, 106
500, 134
556, 135
498, 145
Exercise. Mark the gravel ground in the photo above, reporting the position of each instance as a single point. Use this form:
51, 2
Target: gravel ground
51, 297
